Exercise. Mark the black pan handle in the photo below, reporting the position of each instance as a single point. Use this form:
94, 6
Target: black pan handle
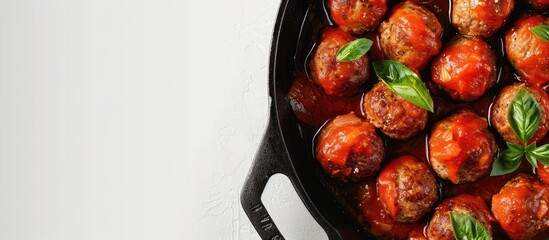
268, 161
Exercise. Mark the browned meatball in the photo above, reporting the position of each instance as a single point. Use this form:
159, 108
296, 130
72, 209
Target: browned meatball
466, 68
394, 115
480, 17
522, 207
337, 78
348, 148
461, 148
357, 16
498, 115
440, 226
411, 35
406, 195
528, 53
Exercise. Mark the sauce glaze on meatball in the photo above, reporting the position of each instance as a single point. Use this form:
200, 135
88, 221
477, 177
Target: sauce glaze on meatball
394, 115
411, 35
543, 173
498, 115
465, 69
357, 16
528, 53
461, 148
348, 148
407, 189
337, 78
522, 207
480, 17
440, 226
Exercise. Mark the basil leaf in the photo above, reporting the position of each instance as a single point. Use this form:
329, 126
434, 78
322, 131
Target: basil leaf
515, 147
392, 71
466, 227
404, 82
531, 159
542, 31
507, 161
541, 154
523, 115
354, 50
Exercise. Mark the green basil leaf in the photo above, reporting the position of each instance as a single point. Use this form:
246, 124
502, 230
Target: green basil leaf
531, 159
523, 115
542, 31
466, 227
515, 147
392, 71
354, 50
508, 161
541, 154
404, 82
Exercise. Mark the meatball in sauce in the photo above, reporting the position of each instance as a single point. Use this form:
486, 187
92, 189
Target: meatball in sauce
527, 52
337, 78
461, 148
543, 173
500, 108
522, 207
480, 17
440, 226
348, 148
411, 35
407, 189
357, 16
394, 115
465, 69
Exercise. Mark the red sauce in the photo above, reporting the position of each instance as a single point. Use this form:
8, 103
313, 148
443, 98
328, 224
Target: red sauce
374, 216
313, 108
388, 185
455, 139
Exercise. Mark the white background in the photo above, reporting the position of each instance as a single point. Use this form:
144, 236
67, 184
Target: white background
135, 119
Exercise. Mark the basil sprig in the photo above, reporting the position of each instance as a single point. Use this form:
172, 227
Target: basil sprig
466, 227
404, 82
542, 31
523, 116
354, 50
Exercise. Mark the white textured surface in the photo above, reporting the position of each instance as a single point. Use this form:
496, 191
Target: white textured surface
134, 119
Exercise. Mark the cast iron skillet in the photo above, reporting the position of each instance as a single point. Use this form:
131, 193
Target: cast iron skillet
282, 148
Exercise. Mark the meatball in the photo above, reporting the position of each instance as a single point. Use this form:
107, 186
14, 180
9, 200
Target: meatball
480, 17
348, 148
465, 69
440, 225
394, 115
411, 35
337, 78
500, 107
407, 189
528, 53
522, 207
461, 148
357, 16
543, 173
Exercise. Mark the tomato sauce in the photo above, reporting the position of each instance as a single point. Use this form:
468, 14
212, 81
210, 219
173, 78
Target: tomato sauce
313, 108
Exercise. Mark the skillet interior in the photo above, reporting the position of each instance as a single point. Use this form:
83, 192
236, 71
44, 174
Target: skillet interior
296, 30
302, 19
